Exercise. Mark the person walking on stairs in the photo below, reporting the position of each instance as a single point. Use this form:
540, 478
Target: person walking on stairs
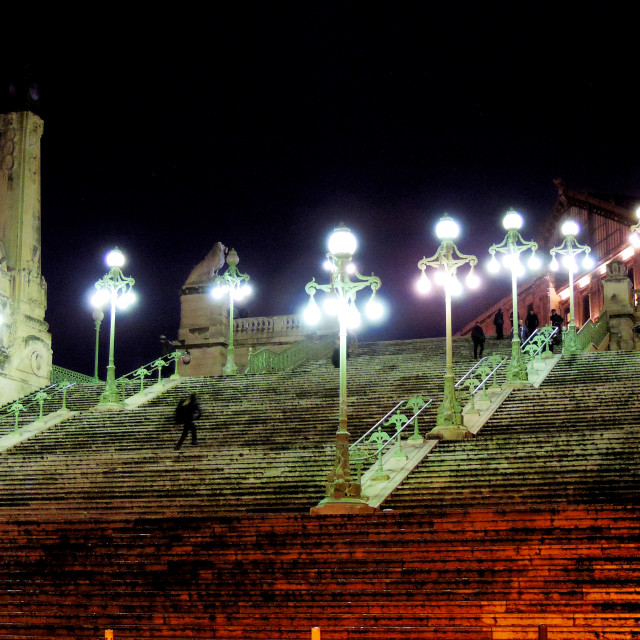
186, 412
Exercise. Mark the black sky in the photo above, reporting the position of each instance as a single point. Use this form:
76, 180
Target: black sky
263, 125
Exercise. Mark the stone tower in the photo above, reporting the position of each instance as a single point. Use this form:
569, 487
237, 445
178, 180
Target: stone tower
25, 342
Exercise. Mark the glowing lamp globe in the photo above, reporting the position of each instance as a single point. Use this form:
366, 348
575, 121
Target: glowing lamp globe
342, 242
512, 220
447, 229
588, 262
374, 308
638, 213
570, 228
115, 258
100, 298
126, 299
311, 313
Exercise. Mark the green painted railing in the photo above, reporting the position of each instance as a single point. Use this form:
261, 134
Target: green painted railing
268, 361
60, 374
593, 333
370, 447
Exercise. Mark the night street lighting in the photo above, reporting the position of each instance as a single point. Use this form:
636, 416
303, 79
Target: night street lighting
98, 317
512, 246
446, 261
339, 300
634, 238
569, 249
235, 285
116, 289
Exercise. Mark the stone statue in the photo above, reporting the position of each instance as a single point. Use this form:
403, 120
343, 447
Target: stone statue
208, 269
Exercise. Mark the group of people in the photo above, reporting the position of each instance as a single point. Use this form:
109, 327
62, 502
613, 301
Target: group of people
525, 329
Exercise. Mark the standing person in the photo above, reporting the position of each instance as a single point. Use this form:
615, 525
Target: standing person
186, 412
523, 332
498, 321
531, 321
477, 335
557, 321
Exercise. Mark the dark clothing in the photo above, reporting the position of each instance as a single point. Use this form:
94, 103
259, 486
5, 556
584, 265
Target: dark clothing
478, 337
498, 321
557, 321
531, 322
186, 413
523, 333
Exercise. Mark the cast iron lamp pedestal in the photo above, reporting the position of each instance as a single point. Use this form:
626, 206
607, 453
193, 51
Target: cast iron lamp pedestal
343, 493
446, 260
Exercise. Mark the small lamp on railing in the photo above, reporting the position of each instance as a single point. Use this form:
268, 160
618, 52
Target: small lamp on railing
569, 250
343, 493
236, 286
446, 262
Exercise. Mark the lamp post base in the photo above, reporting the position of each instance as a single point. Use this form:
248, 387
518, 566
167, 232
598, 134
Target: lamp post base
570, 341
450, 432
110, 396
517, 367
329, 506
230, 368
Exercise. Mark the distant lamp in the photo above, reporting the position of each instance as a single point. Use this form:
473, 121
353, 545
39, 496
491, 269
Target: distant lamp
569, 250
235, 285
115, 289
511, 247
446, 262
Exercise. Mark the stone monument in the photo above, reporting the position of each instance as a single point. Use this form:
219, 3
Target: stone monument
618, 303
25, 342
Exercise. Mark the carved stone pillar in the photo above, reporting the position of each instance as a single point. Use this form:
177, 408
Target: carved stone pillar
618, 303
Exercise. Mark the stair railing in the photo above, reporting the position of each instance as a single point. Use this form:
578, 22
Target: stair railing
36, 399
154, 367
359, 455
60, 374
268, 361
541, 343
471, 372
593, 333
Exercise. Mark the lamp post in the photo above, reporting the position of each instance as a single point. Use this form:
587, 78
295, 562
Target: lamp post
570, 248
512, 246
234, 283
116, 289
634, 237
98, 316
343, 494
446, 261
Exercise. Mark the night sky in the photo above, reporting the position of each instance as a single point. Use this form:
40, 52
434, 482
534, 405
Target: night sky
264, 125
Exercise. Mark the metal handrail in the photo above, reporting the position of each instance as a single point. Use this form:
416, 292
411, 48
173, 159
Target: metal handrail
268, 361
488, 376
470, 372
376, 425
392, 438
593, 332
544, 338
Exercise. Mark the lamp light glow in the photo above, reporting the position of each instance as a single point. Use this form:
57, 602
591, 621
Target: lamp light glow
330, 304
454, 287
100, 298
423, 285
570, 228
472, 280
554, 266
115, 258
374, 308
494, 265
534, 262
627, 253
634, 239
447, 229
512, 220
311, 313
342, 242
588, 262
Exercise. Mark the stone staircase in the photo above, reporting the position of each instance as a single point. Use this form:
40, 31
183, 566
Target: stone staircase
478, 575
534, 522
266, 442
573, 440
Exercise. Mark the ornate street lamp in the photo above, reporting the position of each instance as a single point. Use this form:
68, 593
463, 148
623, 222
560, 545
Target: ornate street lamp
116, 289
235, 284
98, 317
343, 493
512, 246
446, 261
570, 248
